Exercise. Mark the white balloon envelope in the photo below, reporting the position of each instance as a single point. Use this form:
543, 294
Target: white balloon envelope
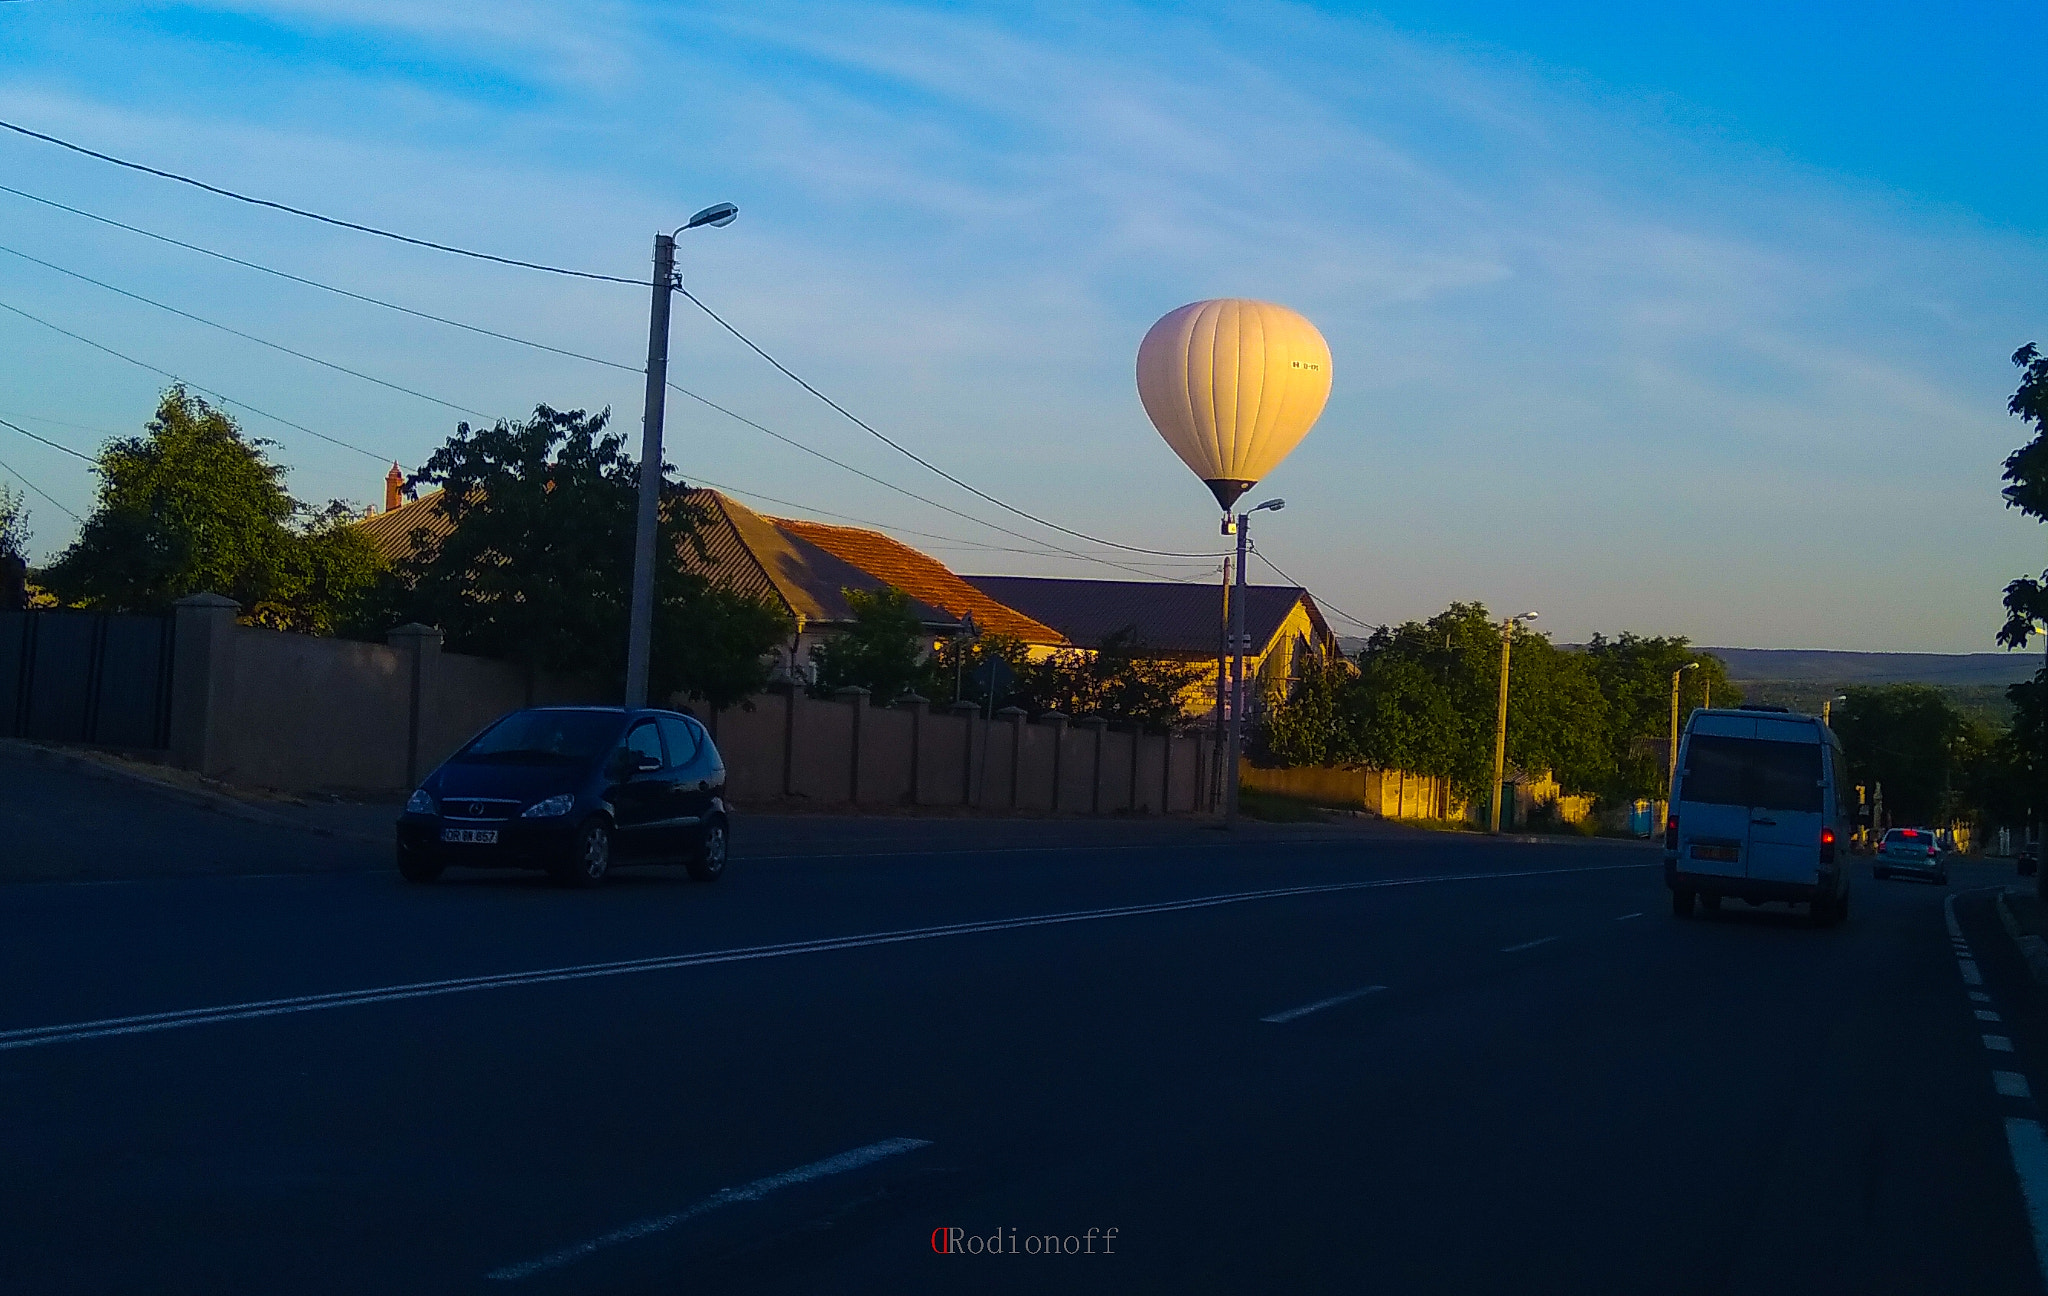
1233, 386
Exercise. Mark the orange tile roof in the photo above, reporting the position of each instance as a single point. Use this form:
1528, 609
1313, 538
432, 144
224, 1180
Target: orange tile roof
392, 531
919, 575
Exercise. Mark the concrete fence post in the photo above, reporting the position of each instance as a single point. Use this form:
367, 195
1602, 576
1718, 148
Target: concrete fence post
202, 680
967, 713
917, 706
422, 646
857, 698
1016, 716
1099, 726
1058, 721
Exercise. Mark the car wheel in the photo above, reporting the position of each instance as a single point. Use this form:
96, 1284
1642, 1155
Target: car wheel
416, 867
589, 858
1681, 904
1710, 903
709, 862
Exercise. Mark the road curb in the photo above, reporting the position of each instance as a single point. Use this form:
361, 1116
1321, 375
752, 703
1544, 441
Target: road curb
2032, 948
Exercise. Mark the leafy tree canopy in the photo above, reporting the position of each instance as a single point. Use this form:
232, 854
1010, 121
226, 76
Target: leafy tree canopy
1634, 675
1120, 682
537, 566
883, 651
14, 532
2026, 489
1912, 740
194, 505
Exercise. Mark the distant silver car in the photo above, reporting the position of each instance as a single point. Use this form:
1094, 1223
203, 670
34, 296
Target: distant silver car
1913, 851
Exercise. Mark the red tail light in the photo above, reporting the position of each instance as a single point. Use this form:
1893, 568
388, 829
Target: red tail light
1827, 845
1671, 833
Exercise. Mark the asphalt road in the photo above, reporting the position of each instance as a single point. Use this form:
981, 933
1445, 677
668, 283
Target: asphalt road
1351, 1063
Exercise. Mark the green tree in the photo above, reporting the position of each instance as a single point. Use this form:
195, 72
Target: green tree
535, 561
1307, 724
957, 660
1120, 681
1427, 700
194, 505
1909, 738
1634, 676
2026, 489
883, 651
14, 532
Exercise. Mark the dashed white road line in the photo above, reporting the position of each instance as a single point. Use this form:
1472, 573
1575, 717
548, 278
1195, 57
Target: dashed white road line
1321, 1004
1528, 945
1986, 1014
2029, 1146
1998, 1043
1626, 917
1968, 967
754, 1191
33, 1036
2010, 1084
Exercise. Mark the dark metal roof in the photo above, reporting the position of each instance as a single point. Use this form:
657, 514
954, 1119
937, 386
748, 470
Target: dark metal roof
1169, 617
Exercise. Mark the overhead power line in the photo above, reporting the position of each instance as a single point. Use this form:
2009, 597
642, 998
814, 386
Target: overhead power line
165, 373
247, 337
316, 216
918, 459
1320, 600
46, 441
315, 283
40, 491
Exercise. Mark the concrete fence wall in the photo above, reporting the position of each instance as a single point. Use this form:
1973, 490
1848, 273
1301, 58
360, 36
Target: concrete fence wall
272, 709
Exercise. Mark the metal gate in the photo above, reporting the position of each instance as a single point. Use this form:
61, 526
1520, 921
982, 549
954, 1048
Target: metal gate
86, 677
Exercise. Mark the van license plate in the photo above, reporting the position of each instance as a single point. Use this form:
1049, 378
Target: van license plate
1722, 854
477, 836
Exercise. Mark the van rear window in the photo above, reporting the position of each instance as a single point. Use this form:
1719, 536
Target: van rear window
1752, 772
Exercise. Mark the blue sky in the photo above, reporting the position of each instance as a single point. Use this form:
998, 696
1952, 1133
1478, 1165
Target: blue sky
1694, 321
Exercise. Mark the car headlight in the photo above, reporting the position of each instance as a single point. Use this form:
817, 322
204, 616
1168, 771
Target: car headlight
421, 802
551, 808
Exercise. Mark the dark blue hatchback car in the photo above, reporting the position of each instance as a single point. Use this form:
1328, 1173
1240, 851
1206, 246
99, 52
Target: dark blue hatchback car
573, 791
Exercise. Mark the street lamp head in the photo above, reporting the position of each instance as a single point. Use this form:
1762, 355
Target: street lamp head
1274, 505
1528, 616
718, 214
1690, 666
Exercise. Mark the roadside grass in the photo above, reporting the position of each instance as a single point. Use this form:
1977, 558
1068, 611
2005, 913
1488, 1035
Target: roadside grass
1270, 807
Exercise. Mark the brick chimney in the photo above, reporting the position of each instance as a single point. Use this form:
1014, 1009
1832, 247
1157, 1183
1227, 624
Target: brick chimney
394, 483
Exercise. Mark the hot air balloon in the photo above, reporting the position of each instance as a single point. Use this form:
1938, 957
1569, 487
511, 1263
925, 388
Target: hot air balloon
1233, 386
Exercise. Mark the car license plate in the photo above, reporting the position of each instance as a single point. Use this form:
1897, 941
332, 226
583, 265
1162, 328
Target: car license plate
475, 836
1724, 854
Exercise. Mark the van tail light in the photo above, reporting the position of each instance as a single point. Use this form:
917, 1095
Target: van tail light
1671, 833
1827, 845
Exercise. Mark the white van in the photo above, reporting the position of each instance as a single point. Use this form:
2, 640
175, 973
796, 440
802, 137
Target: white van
1761, 800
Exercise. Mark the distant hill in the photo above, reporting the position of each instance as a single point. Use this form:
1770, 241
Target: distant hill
1950, 670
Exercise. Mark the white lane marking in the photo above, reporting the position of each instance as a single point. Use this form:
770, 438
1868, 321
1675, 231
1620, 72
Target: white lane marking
2029, 1148
1528, 945
1998, 1043
1626, 917
1979, 996
1985, 1014
1948, 913
2011, 1084
31, 1036
1321, 1004
754, 1191
1971, 976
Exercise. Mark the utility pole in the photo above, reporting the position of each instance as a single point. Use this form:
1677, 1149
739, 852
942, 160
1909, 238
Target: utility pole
1500, 728
1235, 743
640, 635
1222, 687
1671, 757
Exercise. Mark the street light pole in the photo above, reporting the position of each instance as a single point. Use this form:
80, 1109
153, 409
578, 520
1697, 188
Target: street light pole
1671, 761
1237, 638
1500, 728
640, 624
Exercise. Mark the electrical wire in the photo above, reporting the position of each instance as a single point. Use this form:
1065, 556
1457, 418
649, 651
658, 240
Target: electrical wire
315, 283
40, 491
316, 216
918, 459
46, 441
165, 373
247, 337
1320, 601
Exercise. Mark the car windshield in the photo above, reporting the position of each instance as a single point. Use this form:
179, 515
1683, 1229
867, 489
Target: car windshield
564, 737
1752, 772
